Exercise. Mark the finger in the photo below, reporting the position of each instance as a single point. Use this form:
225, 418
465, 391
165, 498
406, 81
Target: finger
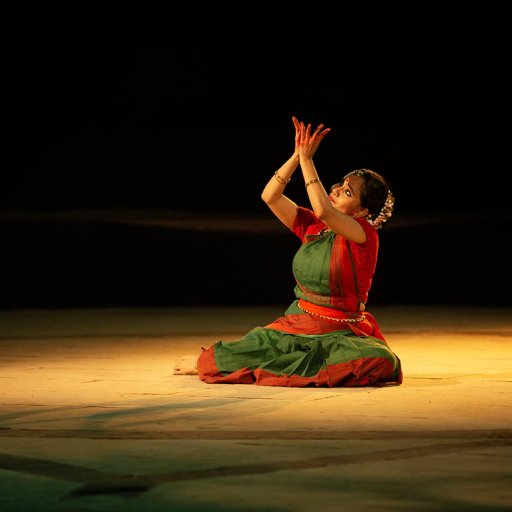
302, 131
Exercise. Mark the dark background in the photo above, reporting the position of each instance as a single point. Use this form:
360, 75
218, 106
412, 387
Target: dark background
104, 124
106, 131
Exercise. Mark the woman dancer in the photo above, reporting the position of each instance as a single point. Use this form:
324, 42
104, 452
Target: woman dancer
325, 337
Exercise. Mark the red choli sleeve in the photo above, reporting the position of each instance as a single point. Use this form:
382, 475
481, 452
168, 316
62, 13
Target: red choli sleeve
306, 223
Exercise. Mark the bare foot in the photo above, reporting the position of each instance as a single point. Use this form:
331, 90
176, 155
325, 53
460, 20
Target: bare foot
186, 366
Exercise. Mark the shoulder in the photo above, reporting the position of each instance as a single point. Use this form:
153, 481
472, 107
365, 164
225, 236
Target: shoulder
372, 236
306, 223
370, 231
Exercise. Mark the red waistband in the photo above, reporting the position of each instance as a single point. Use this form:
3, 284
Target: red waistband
330, 313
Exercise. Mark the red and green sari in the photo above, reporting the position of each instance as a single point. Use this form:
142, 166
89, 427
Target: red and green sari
323, 338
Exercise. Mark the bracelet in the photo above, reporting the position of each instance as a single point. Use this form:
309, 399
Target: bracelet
316, 180
280, 179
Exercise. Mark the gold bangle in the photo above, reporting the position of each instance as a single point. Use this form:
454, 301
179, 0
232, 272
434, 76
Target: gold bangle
280, 179
316, 180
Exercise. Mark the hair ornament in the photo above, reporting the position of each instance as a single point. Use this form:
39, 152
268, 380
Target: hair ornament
385, 213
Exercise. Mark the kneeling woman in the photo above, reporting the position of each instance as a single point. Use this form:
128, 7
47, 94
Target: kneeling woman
325, 337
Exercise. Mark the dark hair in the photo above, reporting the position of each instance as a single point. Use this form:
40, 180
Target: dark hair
374, 192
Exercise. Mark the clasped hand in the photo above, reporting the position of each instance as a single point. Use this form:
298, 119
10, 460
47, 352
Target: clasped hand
306, 139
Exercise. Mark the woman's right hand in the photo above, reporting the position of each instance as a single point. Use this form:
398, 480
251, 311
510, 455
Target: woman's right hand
306, 143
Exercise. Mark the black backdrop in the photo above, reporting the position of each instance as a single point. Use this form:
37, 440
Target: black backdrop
196, 128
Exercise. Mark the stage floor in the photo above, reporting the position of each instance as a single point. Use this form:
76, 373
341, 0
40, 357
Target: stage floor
93, 419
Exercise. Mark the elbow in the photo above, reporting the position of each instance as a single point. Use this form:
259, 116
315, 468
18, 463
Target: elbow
322, 212
267, 198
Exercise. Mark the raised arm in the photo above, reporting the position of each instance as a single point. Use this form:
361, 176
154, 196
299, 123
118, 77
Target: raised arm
283, 207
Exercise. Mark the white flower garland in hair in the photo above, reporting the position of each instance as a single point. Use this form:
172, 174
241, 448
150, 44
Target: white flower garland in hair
385, 213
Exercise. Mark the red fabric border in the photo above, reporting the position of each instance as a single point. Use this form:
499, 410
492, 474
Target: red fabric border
358, 373
208, 371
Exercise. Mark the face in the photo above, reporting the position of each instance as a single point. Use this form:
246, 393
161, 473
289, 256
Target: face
346, 196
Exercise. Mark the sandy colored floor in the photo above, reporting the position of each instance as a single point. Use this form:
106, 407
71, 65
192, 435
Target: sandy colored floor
93, 419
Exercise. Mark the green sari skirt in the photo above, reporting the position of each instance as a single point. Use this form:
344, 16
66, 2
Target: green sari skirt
301, 350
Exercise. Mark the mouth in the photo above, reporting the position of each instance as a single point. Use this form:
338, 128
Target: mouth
331, 198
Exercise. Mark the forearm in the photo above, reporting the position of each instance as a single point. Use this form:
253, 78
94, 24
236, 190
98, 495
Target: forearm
316, 192
275, 187
339, 222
